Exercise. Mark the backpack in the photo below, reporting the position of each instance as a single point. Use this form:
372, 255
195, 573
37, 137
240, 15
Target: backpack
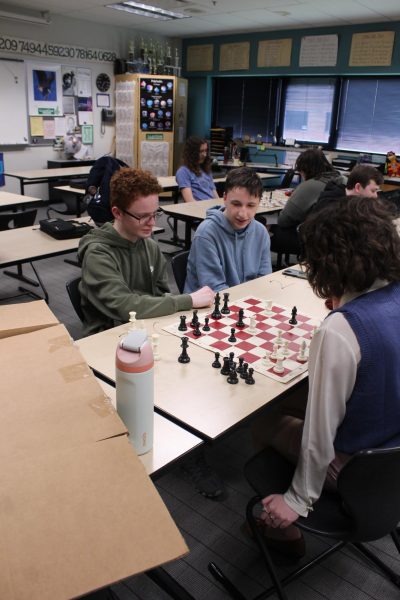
99, 177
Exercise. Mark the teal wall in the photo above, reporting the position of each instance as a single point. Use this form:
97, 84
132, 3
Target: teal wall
200, 82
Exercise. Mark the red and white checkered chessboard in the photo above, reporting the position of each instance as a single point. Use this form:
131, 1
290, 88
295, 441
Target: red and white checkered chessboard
255, 346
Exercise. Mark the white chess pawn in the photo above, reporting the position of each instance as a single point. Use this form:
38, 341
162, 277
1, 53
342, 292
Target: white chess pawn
302, 356
155, 338
132, 320
265, 360
252, 325
279, 338
274, 352
285, 349
278, 366
268, 308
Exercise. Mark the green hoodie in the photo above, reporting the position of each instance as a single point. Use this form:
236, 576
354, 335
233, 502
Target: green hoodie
119, 276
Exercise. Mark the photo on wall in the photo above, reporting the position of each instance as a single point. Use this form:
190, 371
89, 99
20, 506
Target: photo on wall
44, 90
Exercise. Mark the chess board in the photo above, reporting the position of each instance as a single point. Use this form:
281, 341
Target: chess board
255, 346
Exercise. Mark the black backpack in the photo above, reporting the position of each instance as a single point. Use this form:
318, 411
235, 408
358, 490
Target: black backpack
99, 177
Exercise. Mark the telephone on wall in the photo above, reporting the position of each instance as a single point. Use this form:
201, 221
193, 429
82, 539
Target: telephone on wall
107, 115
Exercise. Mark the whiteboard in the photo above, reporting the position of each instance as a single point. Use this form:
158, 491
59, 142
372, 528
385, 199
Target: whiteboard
13, 107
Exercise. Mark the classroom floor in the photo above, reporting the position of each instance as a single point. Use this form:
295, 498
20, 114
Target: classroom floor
212, 528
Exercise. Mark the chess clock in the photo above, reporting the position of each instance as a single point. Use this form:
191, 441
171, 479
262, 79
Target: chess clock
103, 82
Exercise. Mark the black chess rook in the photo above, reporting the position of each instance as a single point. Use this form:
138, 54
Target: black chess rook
184, 357
182, 324
216, 364
226, 369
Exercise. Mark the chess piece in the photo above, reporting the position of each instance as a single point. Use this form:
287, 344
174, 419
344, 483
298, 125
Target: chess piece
216, 314
278, 339
239, 368
231, 357
216, 364
196, 331
244, 373
252, 325
274, 353
293, 320
278, 366
302, 356
268, 308
240, 322
225, 309
285, 348
265, 360
225, 367
184, 357
195, 318
155, 338
182, 324
233, 378
206, 325
132, 320
250, 379
232, 339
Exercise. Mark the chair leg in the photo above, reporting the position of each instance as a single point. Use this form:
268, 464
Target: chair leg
223, 580
279, 261
394, 577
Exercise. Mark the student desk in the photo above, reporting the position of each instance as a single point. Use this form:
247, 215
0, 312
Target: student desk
195, 395
171, 442
8, 200
189, 212
46, 175
27, 244
260, 166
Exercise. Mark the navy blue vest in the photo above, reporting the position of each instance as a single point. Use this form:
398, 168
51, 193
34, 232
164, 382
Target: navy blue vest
372, 417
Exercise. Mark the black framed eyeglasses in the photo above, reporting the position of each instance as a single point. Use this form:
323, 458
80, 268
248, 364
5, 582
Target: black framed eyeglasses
144, 218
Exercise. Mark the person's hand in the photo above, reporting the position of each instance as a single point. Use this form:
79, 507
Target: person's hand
276, 512
203, 297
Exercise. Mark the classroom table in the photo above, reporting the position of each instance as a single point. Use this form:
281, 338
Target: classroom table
190, 212
171, 442
9, 200
260, 166
35, 176
394, 180
195, 395
28, 244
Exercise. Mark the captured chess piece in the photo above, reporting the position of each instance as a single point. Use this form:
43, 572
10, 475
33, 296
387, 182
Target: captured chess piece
226, 368
240, 322
196, 330
233, 378
206, 325
250, 379
244, 373
155, 338
184, 357
225, 310
216, 364
231, 357
293, 320
232, 339
216, 314
132, 320
182, 324
239, 368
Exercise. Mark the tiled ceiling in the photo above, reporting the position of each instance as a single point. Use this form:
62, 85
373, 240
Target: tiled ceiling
213, 17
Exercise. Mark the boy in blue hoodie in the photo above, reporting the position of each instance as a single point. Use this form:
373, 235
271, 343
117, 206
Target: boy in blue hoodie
230, 246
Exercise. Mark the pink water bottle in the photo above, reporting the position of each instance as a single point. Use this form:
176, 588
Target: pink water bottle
135, 388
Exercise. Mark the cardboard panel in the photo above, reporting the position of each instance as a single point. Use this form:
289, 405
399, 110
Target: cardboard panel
79, 519
23, 318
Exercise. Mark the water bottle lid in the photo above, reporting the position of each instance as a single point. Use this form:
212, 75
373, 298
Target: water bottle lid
134, 353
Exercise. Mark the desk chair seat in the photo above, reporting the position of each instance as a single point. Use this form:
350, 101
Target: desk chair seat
179, 266
75, 295
365, 508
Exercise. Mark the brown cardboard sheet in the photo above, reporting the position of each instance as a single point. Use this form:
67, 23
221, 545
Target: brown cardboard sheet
78, 519
49, 396
23, 318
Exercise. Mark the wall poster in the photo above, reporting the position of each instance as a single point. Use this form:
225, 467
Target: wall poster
156, 104
44, 90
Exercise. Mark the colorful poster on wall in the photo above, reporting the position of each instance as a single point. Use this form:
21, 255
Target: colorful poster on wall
156, 104
44, 90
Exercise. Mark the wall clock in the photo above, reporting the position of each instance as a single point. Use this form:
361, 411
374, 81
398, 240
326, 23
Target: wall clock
103, 82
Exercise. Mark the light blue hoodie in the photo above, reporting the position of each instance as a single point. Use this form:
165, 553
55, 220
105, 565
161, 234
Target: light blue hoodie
222, 257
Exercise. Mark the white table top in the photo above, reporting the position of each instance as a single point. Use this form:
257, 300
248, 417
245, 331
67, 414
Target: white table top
170, 441
49, 173
29, 243
257, 165
8, 200
195, 393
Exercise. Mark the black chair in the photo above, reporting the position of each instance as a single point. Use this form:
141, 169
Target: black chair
74, 205
284, 241
365, 508
75, 295
179, 266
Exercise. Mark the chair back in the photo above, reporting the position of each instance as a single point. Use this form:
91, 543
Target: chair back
179, 266
369, 486
75, 295
287, 178
15, 220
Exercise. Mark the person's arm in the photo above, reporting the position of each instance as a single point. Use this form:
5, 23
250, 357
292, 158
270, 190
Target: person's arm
184, 181
332, 374
106, 291
207, 263
187, 194
216, 193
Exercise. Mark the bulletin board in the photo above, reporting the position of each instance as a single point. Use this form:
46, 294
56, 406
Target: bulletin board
13, 113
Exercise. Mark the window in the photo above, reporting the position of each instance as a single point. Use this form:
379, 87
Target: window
248, 104
307, 112
369, 115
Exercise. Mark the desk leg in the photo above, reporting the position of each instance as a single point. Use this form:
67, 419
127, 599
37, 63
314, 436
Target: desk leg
21, 277
188, 235
41, 284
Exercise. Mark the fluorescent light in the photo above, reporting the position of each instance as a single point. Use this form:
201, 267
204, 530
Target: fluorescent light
28, 16
146, 10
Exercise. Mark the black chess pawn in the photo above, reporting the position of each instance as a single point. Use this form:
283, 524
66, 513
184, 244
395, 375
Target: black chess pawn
240, 322
233, 378
216, 314
293, 320
232, 339
182, 324
184, 357
196, 330
206, 325
244, 373
216, 364
250, 379
195, 318
239, 368
231, 357
226, 369
225, 310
